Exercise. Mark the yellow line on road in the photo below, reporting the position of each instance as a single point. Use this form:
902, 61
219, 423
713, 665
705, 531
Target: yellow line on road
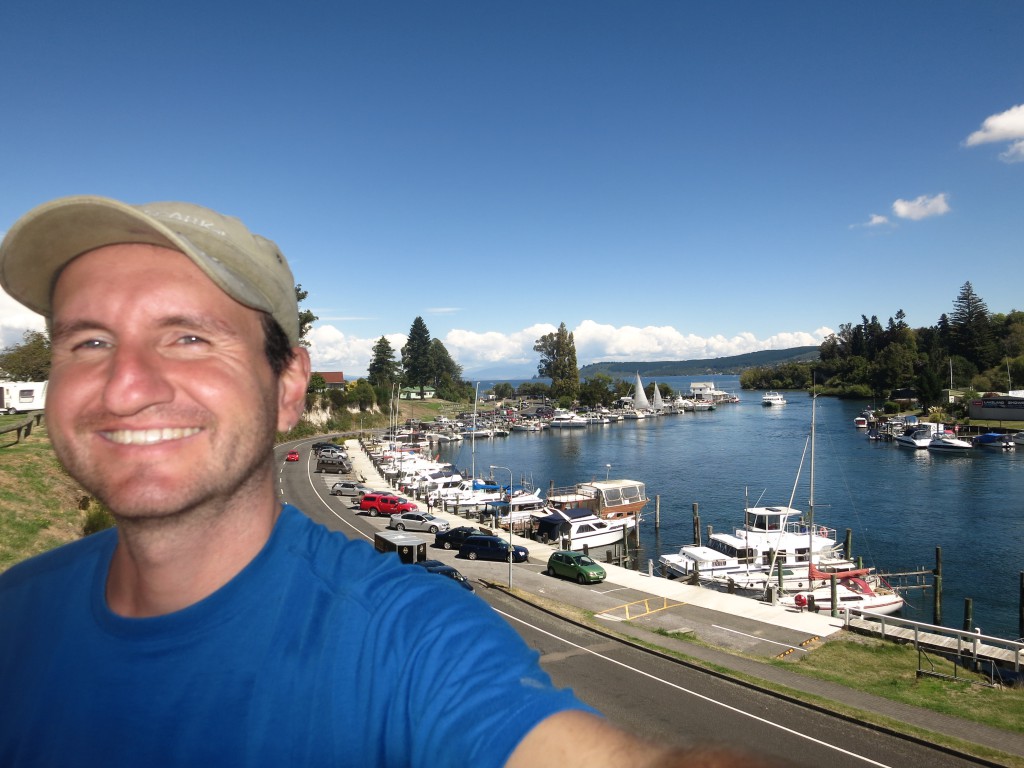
625, 612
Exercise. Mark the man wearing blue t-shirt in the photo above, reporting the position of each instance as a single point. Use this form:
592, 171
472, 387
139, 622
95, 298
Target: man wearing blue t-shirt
215, 626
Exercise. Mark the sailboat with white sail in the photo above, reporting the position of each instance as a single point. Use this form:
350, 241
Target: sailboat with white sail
657, 403
640, 403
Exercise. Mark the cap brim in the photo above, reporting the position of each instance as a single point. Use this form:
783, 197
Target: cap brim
47, 238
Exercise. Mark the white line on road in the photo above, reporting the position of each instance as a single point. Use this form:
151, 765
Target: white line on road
762, 639
708, 699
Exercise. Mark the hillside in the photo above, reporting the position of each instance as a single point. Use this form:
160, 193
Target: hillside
734, 364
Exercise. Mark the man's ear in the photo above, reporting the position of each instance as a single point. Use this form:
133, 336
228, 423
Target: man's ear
291, 390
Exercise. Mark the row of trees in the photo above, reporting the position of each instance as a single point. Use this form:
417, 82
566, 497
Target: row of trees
424, 362
969, 349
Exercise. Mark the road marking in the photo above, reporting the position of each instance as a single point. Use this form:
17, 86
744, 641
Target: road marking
647, 603
701, 696
762, 639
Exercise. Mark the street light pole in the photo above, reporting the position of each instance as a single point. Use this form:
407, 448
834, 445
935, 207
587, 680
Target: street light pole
510, 547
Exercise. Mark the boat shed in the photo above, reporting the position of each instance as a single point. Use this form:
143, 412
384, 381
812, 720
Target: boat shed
993, 407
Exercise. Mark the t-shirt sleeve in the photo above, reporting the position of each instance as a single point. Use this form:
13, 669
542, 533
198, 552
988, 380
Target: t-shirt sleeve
466, 687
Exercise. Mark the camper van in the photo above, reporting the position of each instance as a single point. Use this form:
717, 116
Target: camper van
22, 396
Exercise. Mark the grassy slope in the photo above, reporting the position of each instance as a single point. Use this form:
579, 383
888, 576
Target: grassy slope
39, 503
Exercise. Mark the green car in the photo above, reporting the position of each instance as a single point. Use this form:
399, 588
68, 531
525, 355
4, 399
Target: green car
575, 565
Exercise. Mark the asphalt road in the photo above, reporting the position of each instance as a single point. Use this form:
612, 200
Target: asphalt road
648, 694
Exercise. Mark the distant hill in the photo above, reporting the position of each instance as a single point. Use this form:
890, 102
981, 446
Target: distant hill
734, 364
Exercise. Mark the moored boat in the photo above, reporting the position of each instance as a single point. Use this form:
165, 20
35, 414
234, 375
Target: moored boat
575, 528
608, 499
916, 437
946, 442
994, 441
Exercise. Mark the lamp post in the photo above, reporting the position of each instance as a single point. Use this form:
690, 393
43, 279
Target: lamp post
607, 470
510, 549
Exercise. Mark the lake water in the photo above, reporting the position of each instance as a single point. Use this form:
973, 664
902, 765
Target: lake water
900, 504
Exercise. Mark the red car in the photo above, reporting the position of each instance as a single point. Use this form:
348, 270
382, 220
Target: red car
384, 504
292, 456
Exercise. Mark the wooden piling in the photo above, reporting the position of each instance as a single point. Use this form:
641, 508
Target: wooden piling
968, 614
696, 525
657, 512
937, 604
848, 543
1020, 608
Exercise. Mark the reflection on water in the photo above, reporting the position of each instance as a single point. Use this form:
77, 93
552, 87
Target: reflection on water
900, 504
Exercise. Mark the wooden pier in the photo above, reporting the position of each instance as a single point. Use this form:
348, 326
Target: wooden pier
963, 646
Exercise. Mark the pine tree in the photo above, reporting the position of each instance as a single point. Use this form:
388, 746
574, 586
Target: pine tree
383, 368
558, 362
416, 356
971, 334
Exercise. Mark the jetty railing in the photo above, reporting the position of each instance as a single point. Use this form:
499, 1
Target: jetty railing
963, 643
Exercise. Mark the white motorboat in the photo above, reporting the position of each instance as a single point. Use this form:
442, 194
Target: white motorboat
567, 420
772, 398
916, 437
946, 442
1018, 438
745, 557
608, 499
852, 591
574, 528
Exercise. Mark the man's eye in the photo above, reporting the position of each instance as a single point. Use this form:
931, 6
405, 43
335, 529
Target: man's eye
191, 339
91, 344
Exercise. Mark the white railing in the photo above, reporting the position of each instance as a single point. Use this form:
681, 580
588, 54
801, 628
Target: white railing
966, 641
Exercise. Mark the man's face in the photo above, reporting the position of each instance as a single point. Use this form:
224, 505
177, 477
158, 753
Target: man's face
160, 397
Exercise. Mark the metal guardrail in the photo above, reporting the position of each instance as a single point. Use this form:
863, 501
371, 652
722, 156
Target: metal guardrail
959, 641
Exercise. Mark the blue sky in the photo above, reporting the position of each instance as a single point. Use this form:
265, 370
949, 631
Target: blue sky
671, 180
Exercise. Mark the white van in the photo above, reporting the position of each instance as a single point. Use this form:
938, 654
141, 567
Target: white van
22, 396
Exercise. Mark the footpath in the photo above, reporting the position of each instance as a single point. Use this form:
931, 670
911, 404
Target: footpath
653, 606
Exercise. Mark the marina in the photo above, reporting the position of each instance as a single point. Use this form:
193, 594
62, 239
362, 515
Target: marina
899, 505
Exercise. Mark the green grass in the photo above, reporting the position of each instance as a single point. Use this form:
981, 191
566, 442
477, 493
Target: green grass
39, 503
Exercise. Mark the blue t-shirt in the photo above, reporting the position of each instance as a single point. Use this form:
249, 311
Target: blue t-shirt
320, 652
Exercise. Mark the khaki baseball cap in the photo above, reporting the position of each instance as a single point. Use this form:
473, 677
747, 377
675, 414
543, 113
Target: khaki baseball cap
247, 267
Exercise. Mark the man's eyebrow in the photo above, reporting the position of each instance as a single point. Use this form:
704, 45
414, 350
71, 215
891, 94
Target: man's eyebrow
62, 329
198, 323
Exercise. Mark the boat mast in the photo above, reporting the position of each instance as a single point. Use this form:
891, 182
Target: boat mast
810, 501
472, 471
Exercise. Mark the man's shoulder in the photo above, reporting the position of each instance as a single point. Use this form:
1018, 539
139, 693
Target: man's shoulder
334, 558
78, 555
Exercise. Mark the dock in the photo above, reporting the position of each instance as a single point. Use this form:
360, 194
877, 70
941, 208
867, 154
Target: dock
960, 645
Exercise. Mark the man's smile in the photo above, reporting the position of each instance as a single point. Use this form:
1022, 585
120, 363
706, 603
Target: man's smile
150, 436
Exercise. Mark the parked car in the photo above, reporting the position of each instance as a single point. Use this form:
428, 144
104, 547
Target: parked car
575, 565
384, 504
453, 538
436, 566
317, 446
481, 547
329, 455
417, 521
292, 456
349, 488
337, 466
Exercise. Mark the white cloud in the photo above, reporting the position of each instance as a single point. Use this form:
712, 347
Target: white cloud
874, 220
331, 349
15, 320
922, 207
1006, 126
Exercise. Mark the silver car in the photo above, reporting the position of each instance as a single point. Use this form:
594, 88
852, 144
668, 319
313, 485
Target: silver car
417, 521
349, 488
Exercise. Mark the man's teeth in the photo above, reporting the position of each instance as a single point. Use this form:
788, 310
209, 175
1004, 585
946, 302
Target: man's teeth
150, 436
